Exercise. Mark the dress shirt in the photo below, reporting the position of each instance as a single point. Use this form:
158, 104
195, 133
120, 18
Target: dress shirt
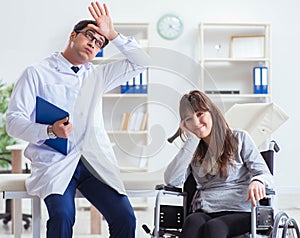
54, 80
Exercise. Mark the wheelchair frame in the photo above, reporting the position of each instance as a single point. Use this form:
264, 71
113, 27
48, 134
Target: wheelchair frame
262, 215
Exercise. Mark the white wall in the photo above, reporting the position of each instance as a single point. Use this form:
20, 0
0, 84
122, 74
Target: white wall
32, 29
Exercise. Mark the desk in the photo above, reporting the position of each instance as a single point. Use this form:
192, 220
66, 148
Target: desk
16, 157
16, 168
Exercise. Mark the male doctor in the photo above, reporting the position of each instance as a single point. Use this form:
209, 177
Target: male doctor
68, 80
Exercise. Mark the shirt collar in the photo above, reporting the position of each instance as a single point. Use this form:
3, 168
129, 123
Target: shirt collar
65, 62
64, 65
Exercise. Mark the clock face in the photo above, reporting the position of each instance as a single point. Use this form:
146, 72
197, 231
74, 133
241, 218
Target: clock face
169, 27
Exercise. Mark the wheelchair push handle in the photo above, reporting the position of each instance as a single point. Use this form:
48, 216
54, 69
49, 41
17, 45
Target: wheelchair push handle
168, 188
274, 146
173, 137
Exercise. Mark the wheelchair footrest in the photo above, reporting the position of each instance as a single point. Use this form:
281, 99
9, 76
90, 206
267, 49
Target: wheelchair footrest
169, 233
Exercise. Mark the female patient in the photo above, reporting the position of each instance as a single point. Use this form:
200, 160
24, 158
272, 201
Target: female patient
229, 171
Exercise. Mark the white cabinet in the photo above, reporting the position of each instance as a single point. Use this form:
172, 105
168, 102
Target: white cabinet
127, 108
228, 54
128, 143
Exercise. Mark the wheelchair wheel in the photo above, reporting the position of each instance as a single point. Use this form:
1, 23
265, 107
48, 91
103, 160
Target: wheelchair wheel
285, 227
280, 220
290, 228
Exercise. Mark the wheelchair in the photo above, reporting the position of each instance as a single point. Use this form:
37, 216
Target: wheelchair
168, 219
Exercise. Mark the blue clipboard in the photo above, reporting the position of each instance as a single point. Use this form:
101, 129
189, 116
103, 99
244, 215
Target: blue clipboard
48, 113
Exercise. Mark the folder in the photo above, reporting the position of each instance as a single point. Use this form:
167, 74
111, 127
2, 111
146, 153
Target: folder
264, 80
144, 82
48, 113
260, 78
257, 80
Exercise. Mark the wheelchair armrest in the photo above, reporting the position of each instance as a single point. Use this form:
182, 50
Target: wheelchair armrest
170, 188
270, 191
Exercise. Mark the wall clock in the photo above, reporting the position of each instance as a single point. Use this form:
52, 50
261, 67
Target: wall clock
169, 26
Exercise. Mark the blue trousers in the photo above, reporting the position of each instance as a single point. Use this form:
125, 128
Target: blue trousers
113, 206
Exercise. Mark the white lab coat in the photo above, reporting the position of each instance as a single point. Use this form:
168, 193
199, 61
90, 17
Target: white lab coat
81, 95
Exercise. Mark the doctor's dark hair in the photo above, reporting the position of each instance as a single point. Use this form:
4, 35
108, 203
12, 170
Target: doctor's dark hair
83, 24
223, 142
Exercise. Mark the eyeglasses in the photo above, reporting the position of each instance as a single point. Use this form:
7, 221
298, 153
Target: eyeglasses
90, 36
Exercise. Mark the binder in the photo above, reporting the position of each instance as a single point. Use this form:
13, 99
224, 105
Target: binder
124, 87
138, 84
260, 80
256, 80
48, 113
264, 80
144, 81
100, 53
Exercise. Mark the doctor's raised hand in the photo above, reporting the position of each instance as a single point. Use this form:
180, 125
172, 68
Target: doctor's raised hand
104, 23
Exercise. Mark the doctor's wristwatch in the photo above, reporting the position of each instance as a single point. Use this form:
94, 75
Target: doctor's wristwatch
51, 133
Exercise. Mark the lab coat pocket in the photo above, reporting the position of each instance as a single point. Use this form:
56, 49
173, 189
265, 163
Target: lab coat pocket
60, 95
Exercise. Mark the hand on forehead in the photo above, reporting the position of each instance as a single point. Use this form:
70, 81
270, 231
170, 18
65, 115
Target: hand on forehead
93, 28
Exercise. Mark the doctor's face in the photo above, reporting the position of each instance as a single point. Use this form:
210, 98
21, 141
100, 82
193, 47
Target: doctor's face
86, 44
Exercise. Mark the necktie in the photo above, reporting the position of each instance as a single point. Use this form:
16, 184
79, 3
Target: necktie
75, 69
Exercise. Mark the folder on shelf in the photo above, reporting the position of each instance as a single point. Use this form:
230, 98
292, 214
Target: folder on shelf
135, 121
132, 121
256, 80
48, 113
144, 81
144, 121
264, 80
138, 84
260, 79
124, 87
125, 121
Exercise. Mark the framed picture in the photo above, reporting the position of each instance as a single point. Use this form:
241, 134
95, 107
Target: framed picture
247, 46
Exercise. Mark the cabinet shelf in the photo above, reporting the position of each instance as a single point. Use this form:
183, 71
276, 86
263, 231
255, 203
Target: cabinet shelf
111, 132
235, 60
125, 95
236, 24
104, 60
132, 169
237, 96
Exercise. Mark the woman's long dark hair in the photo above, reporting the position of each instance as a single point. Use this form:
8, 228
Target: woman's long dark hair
223, 144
